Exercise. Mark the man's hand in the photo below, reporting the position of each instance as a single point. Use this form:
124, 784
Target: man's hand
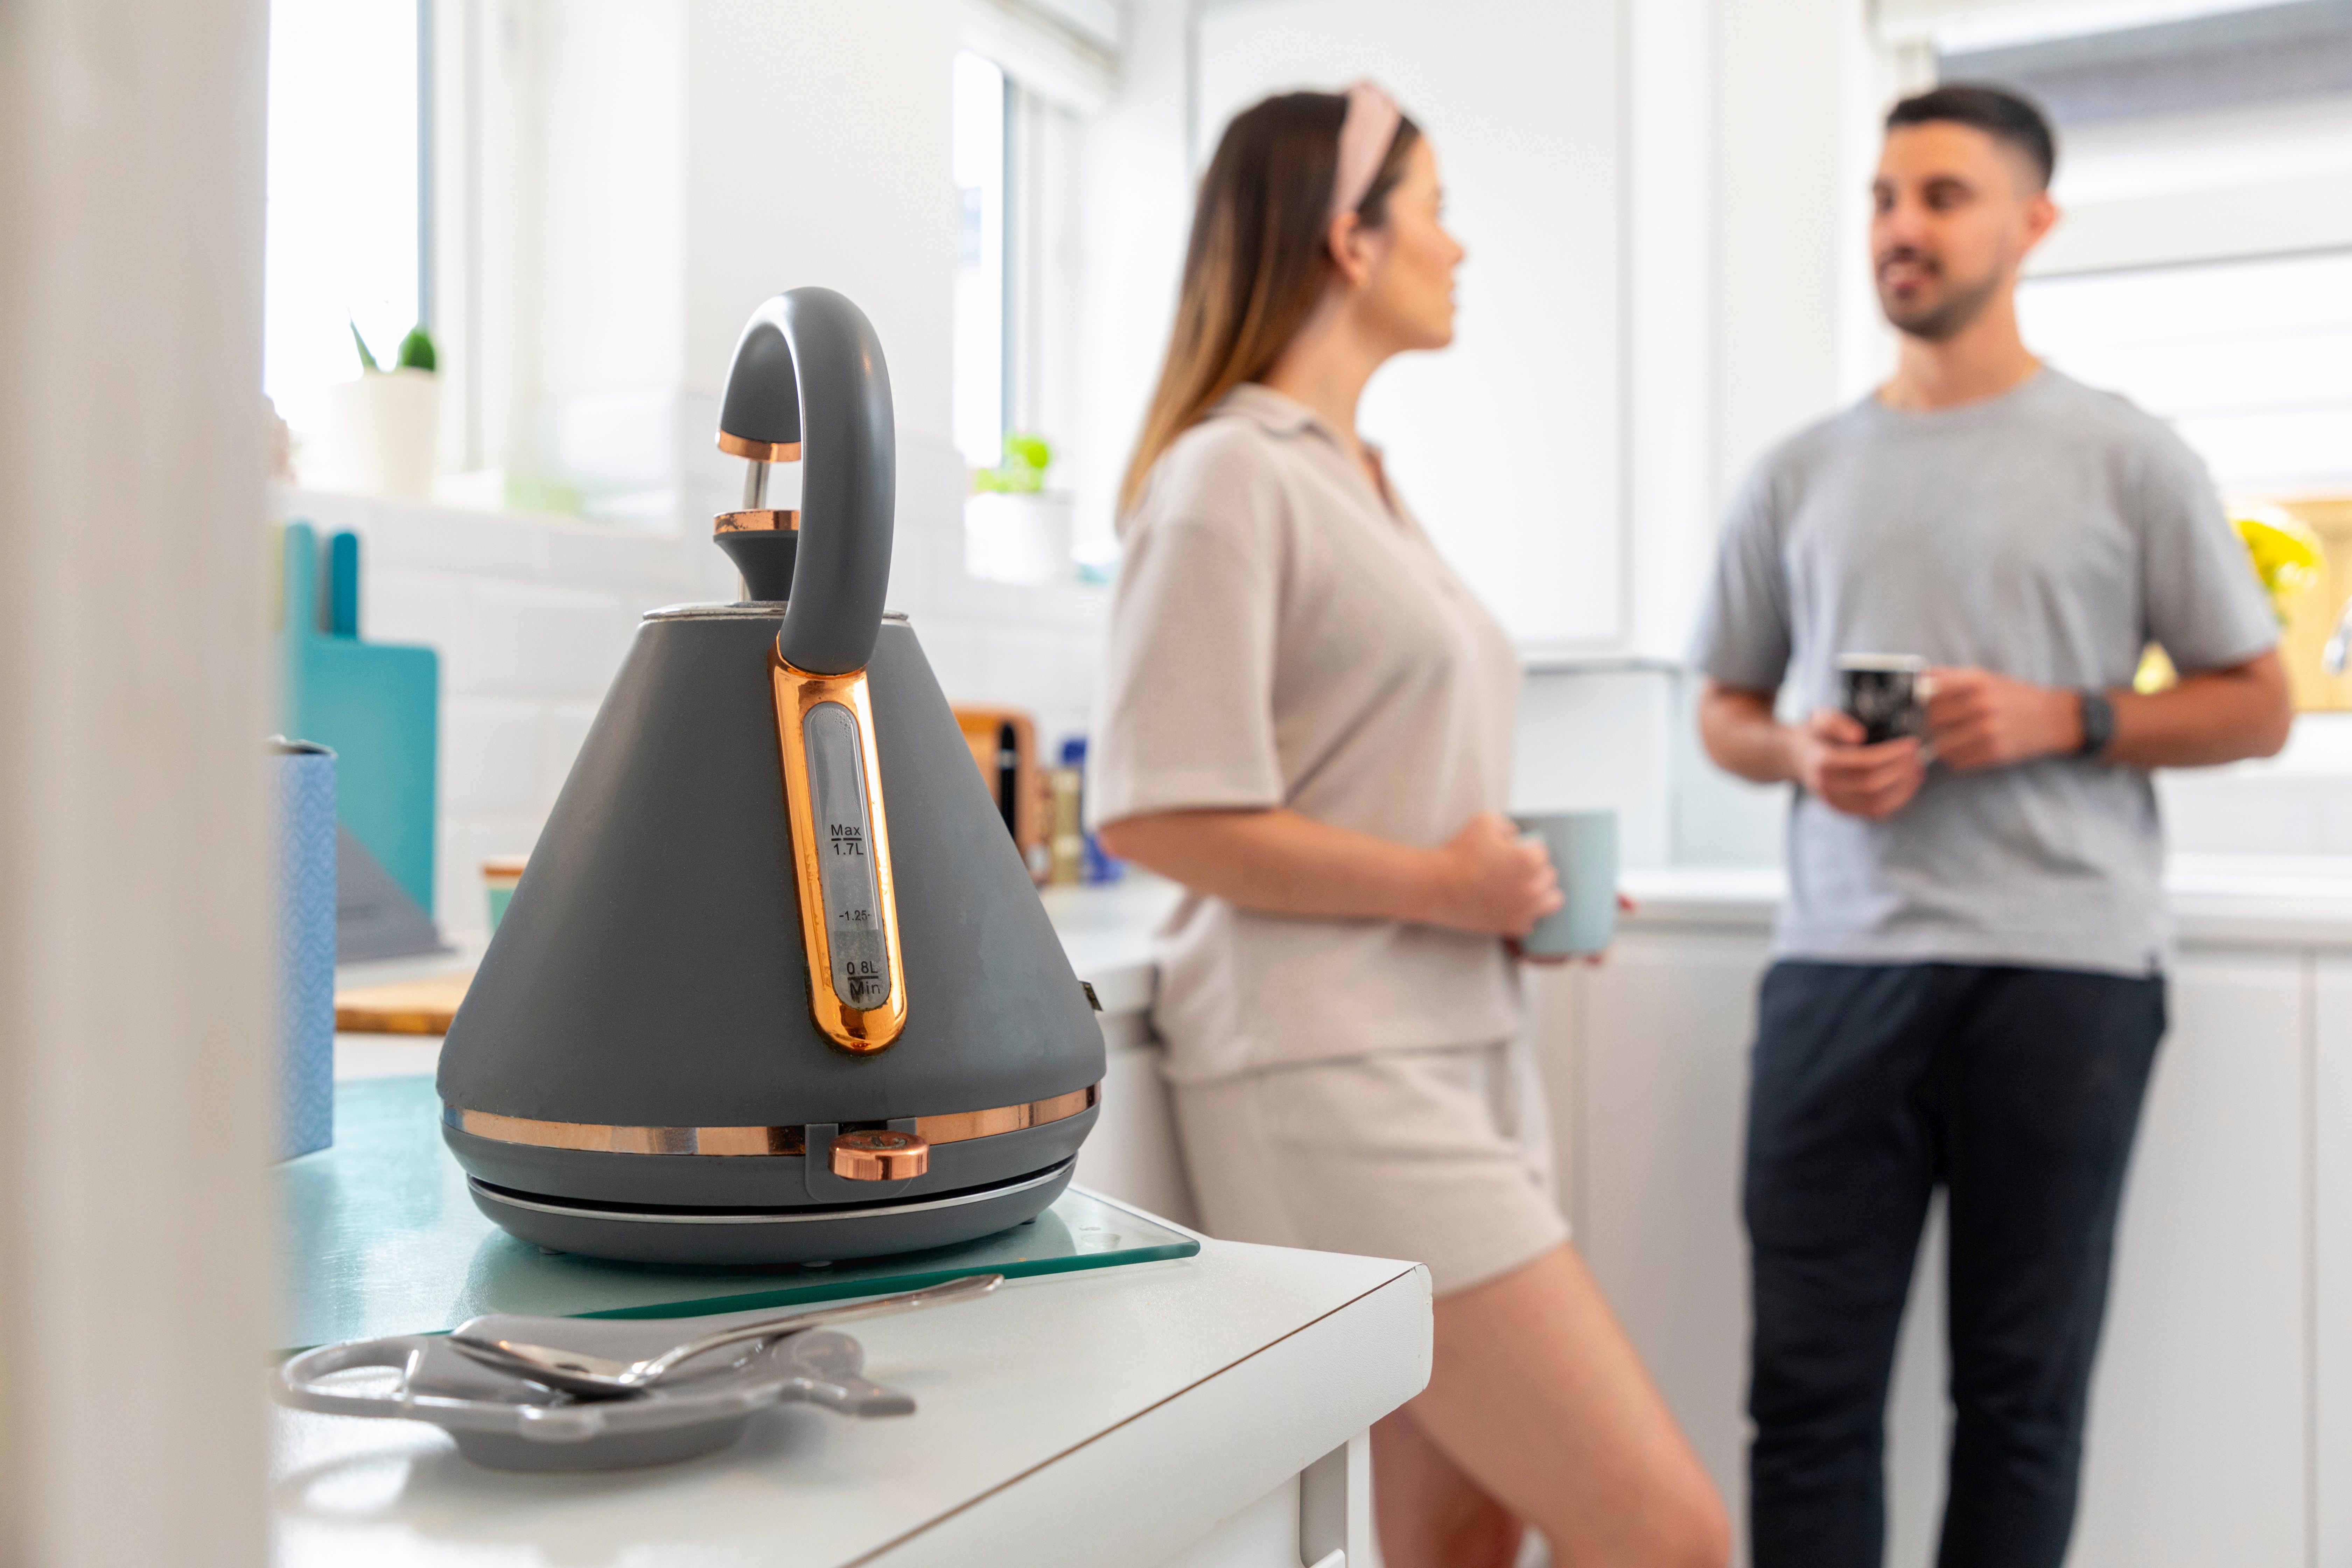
1828, 758
1980, 720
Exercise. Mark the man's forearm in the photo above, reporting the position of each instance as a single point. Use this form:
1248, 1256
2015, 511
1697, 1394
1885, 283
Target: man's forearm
2214, 716
1743, 737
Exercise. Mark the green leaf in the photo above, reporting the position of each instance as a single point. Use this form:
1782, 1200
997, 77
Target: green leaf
1020, 473
416, 349
367, 360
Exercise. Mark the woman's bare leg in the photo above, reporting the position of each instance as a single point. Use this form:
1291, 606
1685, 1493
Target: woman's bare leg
1428, 1514
1537, 1396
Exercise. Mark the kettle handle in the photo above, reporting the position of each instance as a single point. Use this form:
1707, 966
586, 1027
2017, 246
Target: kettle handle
809, 371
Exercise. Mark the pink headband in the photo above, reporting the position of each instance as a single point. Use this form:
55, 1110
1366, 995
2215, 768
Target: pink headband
1364, 137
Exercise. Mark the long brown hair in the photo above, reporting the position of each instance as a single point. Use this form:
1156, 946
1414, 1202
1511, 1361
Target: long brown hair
1257, 262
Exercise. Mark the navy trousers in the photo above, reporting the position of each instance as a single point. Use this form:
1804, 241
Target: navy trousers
2018, 1090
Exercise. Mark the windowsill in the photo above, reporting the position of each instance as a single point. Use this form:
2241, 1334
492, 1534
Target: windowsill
290, 498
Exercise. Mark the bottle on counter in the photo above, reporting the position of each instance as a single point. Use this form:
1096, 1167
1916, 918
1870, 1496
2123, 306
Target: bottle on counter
1077, 854
1065, 845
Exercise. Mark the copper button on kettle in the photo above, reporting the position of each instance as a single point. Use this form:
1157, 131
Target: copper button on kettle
880, 1156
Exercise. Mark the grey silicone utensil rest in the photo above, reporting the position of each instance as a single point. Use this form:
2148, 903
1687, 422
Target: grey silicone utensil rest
506, 1424
649, 978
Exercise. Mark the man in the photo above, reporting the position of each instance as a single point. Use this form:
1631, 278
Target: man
1968, 986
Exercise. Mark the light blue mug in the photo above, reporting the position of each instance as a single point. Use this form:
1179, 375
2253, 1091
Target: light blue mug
1583, 849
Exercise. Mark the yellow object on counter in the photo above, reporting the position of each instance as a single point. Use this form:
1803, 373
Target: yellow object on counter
2287, 553
2288, 558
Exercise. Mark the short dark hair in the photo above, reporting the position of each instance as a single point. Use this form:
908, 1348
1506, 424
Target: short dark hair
2000, 114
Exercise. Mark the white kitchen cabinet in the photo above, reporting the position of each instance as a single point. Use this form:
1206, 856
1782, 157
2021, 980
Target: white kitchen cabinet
2197, 1448
1656, 1083
1649, 1058
2222, 1404
2331, 1247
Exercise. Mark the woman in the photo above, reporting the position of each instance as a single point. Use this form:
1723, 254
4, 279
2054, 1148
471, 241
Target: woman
1308, 723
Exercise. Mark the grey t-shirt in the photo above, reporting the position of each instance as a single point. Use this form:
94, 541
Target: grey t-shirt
2048, 534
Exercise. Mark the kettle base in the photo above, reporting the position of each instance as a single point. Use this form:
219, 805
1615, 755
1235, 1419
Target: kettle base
648, 1233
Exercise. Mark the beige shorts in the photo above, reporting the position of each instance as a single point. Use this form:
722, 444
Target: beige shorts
1440, 1156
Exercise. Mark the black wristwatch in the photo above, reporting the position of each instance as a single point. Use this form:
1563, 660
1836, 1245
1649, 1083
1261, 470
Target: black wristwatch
2098, 723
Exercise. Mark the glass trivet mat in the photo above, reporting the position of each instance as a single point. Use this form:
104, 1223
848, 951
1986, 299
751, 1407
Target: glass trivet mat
380, 1237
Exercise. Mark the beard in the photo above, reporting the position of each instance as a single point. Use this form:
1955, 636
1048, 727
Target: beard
1937, 318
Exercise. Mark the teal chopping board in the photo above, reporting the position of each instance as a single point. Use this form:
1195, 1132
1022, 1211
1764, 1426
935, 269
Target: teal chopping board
381, 1238
378, 706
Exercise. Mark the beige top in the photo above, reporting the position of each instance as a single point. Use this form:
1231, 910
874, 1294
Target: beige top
1284, 636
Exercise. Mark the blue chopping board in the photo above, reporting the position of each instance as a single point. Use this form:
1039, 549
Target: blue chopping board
380, 1237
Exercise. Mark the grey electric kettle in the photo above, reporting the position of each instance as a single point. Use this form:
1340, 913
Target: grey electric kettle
775, 986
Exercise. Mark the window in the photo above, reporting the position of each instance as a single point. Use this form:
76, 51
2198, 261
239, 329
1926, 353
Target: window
1021, 168
343, 230
2237, 55
2251, 359
979, 157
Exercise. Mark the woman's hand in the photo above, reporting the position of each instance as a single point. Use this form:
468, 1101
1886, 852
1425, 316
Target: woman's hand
1491, 880
1554, 960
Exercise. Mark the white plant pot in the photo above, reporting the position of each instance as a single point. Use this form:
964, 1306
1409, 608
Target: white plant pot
381, 436
1020, 539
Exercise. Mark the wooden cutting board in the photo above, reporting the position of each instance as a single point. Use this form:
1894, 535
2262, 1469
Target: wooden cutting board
403, 1006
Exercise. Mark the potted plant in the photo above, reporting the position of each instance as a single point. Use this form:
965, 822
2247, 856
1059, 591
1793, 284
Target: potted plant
1015, 529
383, 429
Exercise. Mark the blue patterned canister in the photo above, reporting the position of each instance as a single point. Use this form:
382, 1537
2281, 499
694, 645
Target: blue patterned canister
305, 947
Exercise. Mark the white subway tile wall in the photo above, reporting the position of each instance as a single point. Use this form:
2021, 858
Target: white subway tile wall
531, 616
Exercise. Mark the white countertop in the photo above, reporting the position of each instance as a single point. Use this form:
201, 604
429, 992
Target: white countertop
1080, 1419
2216, 901
1107, 927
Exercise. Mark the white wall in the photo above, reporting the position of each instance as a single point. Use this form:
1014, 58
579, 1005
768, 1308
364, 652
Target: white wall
1789, 243
1602, 739
816, 151
1672, 483
1509, 443
1138, 196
